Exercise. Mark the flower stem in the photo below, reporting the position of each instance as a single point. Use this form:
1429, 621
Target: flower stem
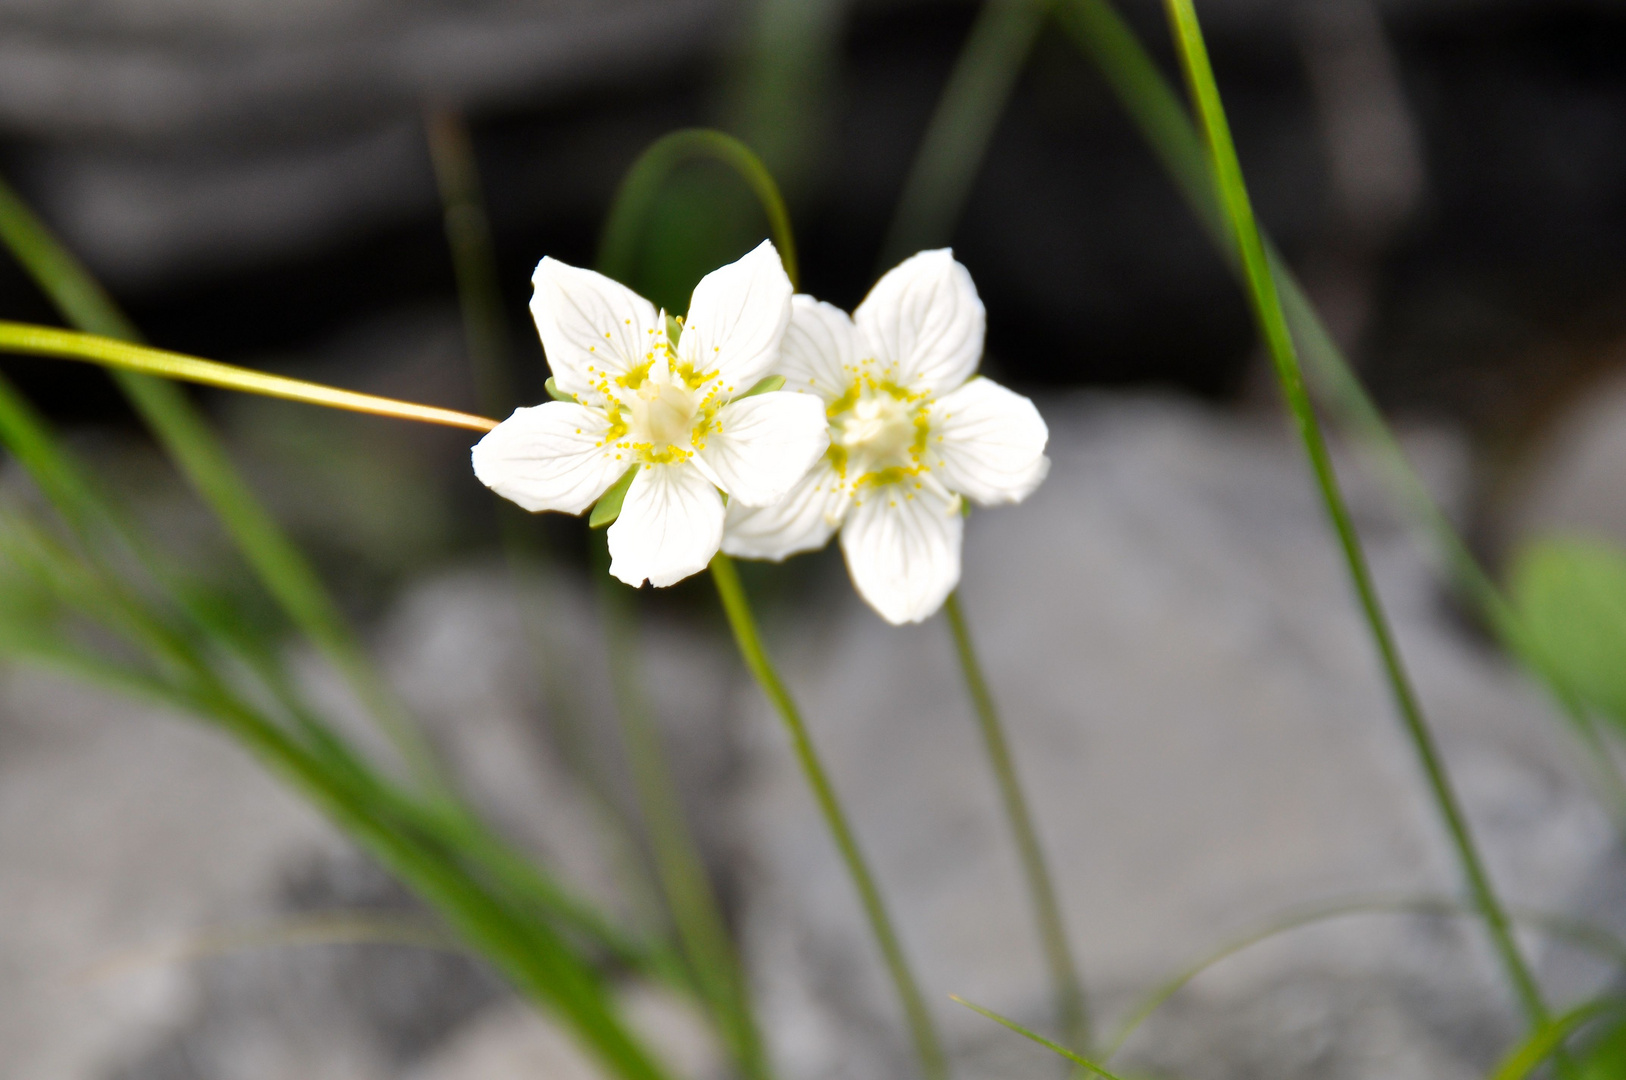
1273, 326
740, 619
1071, 1013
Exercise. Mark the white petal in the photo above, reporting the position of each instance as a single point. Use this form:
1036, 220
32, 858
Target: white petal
737, 318
820, 352
924, 317
671, 524
802, 521
903, 550
764, 444
588, 320
551, 457
991, 441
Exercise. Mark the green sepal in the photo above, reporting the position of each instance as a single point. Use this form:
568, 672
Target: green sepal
555, 393
965, 506
674, 330
608, 507
766, 385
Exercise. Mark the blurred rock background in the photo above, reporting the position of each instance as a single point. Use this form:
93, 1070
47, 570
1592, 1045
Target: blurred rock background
1194, 706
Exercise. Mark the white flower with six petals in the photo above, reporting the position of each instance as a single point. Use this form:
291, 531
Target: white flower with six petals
678, 413
912, 431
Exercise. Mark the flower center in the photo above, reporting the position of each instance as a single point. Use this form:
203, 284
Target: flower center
877, 433
663, 412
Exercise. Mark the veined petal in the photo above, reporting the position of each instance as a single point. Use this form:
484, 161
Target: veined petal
802, 521
587, 320
903, 550
991, 441
764, 444
820, 351
924, 317
671, 524
737, 318
554, 456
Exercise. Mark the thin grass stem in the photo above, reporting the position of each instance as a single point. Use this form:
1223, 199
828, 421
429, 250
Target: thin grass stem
1167, 128
1071, 1055
1273, 326
737, 606
284, 572
92, 348
962, 125
1072, 1017
1596, 939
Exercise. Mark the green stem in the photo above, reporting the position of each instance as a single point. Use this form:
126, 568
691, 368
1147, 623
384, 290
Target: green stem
1273, 325
737, 607
618, 246
961, 127
715, 964
1072, 1016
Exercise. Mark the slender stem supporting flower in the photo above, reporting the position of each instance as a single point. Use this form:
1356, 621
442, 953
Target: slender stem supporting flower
691, 901
69, 345
741, 620
1071, 1013
1273, 325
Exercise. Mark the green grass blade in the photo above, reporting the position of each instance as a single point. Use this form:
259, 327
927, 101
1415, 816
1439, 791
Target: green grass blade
618, 246
1273, 326
276, 561
1580, 934
962, 126
1163, 121
1547, 1040
1075, 1058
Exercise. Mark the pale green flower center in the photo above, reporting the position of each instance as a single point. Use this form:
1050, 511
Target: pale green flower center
663, 413
878, 431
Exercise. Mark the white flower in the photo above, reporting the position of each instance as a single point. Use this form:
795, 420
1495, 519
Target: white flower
912, 431
674, 414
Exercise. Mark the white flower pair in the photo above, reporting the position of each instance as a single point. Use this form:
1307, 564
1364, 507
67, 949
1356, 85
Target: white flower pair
880, 430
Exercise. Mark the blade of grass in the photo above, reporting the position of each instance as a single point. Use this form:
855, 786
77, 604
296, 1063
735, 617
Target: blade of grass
618, 245
962, 125
737, 607
1167, 128
1273, 326
1076, 1059
275, 560
1596, 939
1548, 1040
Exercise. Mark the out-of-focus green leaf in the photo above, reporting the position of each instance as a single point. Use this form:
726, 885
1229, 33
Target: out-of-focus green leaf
1546, 1040
1605, 1057
1572, 594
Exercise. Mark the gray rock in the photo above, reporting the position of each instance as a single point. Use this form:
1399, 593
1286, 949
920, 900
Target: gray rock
1206, 739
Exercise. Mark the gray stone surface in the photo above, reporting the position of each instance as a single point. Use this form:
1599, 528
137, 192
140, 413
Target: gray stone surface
1206, 739
1194, 708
